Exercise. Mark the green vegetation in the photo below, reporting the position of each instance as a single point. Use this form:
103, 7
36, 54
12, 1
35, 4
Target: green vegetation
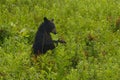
92, 51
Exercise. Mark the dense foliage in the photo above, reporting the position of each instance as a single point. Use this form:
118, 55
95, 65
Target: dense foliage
90, 28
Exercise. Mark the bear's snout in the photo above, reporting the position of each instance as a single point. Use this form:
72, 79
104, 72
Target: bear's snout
54, 31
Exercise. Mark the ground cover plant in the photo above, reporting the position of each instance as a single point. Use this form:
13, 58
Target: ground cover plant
90, 28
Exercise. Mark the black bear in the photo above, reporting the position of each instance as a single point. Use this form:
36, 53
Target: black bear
43, 40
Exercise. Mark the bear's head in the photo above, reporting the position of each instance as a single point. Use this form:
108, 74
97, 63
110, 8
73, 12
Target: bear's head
49, 25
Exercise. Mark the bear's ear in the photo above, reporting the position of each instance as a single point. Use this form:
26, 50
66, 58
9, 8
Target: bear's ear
52, 20
45, 19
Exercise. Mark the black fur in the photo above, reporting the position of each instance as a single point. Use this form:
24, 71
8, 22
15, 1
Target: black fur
43, 41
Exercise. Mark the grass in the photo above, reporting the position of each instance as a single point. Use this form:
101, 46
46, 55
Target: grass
89, 27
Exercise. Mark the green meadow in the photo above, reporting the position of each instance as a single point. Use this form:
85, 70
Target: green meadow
91, 29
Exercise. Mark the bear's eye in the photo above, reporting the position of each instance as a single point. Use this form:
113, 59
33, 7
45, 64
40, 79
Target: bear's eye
51, 25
